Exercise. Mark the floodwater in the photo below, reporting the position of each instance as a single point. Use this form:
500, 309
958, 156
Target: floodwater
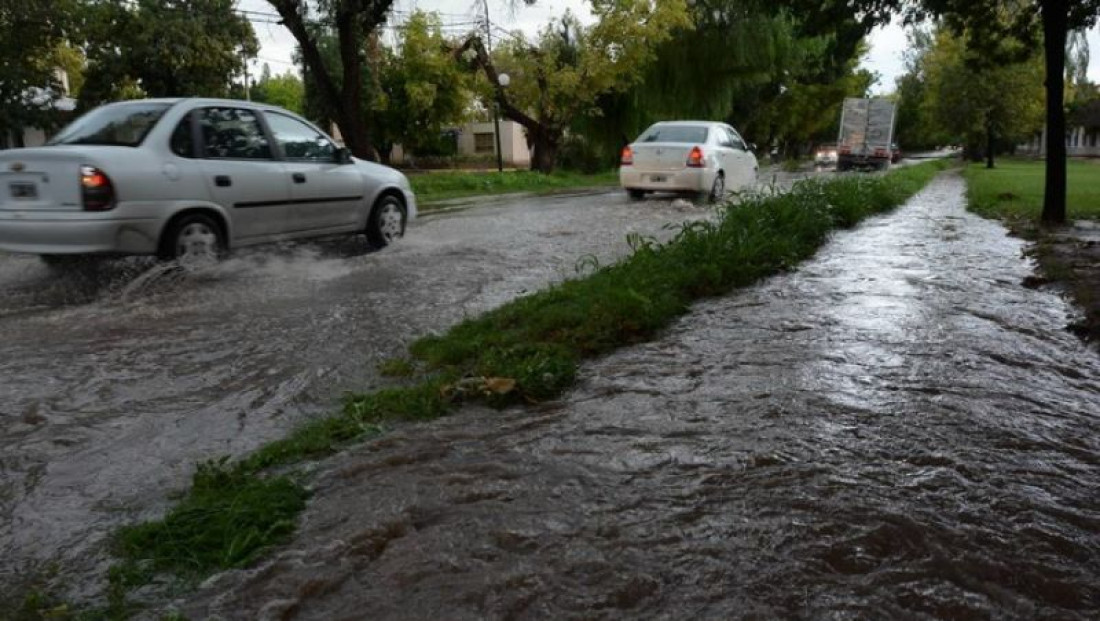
117, 378
896, 430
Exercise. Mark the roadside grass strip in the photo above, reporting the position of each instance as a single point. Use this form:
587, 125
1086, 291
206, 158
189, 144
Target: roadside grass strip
1013, 191
523, 352
440, 186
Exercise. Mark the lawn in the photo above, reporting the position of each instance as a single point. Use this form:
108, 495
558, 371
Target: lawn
1014, 189
434, 187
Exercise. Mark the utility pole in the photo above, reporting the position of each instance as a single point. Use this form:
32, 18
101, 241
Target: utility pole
247, 89
496, 107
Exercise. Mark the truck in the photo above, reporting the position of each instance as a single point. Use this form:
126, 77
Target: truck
866, 134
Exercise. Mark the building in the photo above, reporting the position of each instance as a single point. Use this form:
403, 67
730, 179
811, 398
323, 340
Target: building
477, 142
1082, 134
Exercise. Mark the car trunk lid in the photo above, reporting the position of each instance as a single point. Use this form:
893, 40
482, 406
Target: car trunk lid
661, 156
41, 179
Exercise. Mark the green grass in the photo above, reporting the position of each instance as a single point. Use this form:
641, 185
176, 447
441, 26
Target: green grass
432, 188
525, 351
1014, 189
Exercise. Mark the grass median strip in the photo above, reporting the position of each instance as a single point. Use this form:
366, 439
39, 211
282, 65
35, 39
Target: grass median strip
525, 351
434, 187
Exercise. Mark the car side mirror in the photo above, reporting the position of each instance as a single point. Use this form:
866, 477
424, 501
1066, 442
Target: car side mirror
342, 156
752, 146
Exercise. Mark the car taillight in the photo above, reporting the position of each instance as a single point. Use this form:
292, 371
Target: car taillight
845, 149
880, 152
695, 158
96, 189
627, 158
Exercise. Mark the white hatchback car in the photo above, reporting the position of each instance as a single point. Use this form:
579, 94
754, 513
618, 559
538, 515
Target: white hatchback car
186, 177
700, 157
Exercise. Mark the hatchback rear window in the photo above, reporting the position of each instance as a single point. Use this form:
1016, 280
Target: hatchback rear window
121, 125
675, 133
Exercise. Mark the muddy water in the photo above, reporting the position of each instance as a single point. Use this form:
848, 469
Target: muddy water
898, 430
116, 378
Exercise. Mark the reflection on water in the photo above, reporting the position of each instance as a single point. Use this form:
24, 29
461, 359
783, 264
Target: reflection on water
897, 430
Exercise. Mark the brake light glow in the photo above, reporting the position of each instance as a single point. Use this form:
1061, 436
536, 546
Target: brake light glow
695, 158
96, 189
627, 158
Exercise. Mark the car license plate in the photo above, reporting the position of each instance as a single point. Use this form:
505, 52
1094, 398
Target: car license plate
23, 190
658, 178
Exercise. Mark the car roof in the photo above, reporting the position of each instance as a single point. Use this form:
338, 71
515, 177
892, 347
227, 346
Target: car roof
204, 101
690, 123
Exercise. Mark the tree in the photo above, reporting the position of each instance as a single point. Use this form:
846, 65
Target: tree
988, 22
986, 106
422, 90
31, 33
286, 90
569, 67
164, 48
339, 88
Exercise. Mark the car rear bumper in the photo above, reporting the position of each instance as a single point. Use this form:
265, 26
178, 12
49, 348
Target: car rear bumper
686, 180
76, 233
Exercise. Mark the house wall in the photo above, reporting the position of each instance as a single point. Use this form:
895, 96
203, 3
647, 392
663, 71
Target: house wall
1080, 142
477, 139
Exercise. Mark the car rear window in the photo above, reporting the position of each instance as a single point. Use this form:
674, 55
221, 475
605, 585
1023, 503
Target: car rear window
675, 133
121, 125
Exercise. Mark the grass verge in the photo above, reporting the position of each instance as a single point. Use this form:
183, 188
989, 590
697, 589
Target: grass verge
433, 188
525, 351
1013, 192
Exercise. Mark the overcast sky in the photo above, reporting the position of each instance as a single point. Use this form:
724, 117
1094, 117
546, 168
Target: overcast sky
277, 46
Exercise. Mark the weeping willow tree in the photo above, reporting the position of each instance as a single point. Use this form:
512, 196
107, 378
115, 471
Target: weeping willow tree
746, 62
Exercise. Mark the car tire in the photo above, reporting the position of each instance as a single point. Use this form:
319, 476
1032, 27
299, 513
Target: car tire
636, 195
717, 189
386, 223
193, 237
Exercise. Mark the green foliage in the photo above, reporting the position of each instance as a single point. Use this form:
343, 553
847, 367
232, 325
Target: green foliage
31, 33
765, 72
957, 98
225, 520
163, 48
423, 90
285, 91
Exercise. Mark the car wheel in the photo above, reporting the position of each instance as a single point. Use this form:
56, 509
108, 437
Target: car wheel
636, 195
194, 237
717, 189
386, 223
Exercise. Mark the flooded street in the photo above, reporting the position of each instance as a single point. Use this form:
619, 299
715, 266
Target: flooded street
117, 378
896, 430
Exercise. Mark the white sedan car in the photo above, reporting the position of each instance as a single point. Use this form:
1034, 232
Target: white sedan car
700, 157
191, 177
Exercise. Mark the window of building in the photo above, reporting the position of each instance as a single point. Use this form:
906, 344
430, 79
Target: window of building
484, 143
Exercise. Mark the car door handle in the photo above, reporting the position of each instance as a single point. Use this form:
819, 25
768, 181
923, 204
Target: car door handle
299, 177
223, 181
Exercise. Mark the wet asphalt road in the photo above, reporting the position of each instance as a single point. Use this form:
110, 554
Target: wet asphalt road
896, 430
116, 379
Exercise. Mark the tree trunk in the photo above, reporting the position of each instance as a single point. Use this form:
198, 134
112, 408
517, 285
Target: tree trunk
989, 144
1054, 46
545, 142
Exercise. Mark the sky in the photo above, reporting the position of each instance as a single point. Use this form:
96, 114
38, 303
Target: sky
277, 45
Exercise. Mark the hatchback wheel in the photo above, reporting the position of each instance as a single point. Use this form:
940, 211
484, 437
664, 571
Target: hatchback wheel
387, 222
636, 195
195, 237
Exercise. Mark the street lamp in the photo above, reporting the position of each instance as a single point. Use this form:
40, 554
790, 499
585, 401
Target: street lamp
503, 80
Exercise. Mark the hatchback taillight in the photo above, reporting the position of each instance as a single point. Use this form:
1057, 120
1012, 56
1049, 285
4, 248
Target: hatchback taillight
96, 189
695, 158
627, 158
